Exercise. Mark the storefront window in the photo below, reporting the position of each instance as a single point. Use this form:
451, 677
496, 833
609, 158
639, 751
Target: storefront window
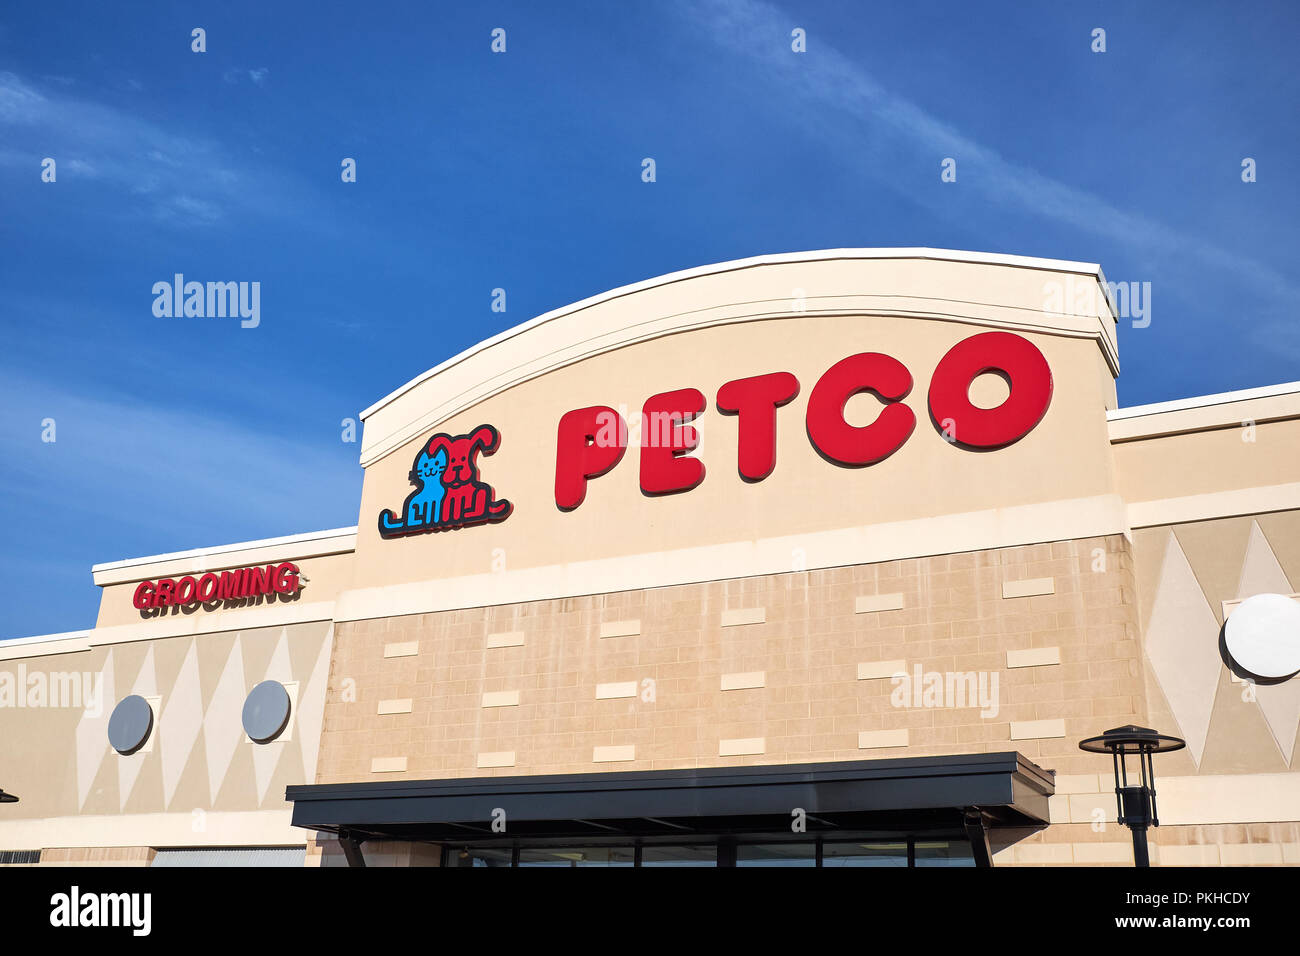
481, 856
776, 854
578, 856
864, 854
944, 853
898, 852
230, 856
679, 855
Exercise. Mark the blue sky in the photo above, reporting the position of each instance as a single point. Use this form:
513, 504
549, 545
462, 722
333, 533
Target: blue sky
522, 171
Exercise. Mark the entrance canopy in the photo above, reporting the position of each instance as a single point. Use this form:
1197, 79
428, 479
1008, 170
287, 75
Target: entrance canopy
961, 794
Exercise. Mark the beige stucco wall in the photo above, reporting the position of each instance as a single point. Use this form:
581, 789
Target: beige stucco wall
927, 479
198, 781
1193, 569
1213, 461
323, 578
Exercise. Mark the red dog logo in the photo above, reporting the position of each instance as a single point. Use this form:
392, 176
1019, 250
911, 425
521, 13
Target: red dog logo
448, 492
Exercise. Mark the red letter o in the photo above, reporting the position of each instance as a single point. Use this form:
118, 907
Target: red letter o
186, 590
1031, 389
207, 587
847, 444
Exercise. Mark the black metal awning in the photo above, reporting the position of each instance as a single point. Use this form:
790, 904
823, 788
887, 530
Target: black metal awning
966, 793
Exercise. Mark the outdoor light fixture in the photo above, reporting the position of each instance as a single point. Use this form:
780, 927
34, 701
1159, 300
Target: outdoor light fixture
1136, 804
7, 797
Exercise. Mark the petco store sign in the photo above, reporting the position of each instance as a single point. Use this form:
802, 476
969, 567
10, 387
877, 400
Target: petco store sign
593, 440
450, 493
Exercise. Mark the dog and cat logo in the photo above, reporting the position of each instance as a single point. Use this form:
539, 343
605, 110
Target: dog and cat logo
448, 492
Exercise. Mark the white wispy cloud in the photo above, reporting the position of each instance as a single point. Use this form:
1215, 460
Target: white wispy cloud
201, 479
187, 179
759, 31
235, 74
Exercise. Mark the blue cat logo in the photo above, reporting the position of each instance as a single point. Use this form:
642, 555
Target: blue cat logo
424, 507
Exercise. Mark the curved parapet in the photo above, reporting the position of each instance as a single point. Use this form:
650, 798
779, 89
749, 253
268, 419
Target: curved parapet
660, 494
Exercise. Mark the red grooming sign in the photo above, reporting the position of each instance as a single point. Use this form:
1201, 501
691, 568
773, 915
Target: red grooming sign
218, 586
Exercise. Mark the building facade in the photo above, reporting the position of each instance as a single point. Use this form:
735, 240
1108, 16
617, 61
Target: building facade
828, 558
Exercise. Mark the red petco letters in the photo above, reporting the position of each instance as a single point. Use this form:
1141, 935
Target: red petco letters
591, 441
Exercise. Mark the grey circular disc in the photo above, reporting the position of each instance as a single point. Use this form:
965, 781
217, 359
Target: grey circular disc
129, 724
266, 711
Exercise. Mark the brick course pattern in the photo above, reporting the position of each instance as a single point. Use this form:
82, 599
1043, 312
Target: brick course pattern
945, 614
809, 645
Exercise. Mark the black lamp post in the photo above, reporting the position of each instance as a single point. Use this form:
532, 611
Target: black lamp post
1135, 803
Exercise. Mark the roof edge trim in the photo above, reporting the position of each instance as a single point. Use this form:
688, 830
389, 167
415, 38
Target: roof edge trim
1202, 401
302, 538
816, 255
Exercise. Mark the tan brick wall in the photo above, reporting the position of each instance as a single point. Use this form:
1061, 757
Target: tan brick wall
813, 706
945, 613
325, 851
99, 856
1079, 844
